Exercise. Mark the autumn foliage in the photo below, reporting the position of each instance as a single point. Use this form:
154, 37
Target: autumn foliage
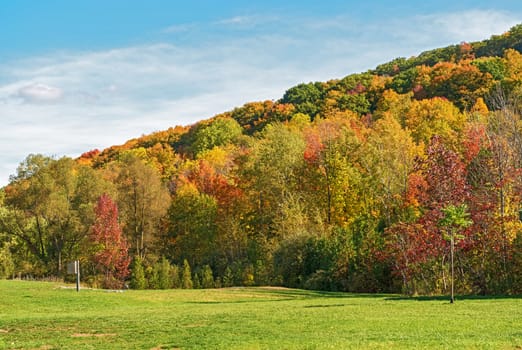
339, 185
110, 247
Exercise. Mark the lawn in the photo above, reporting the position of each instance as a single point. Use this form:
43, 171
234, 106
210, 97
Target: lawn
36, 315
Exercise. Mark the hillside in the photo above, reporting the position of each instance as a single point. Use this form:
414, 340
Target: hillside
348, 184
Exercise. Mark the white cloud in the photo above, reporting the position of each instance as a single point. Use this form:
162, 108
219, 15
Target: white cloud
40, 93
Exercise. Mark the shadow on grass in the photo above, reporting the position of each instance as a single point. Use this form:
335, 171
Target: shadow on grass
457, 297
275, 294
307, 294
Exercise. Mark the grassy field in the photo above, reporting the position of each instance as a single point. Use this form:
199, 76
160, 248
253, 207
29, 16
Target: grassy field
36, 315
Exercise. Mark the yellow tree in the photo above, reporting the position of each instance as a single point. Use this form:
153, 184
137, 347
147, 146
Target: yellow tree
435, 116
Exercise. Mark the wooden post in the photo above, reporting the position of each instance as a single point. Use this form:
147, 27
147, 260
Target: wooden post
77, 268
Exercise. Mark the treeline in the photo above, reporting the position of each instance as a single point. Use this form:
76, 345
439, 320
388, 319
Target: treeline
343, 185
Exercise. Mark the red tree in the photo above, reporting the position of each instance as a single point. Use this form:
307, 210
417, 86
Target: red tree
111, 248
418, 249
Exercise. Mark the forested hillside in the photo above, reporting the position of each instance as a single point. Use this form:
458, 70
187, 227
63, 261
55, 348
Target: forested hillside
356, 184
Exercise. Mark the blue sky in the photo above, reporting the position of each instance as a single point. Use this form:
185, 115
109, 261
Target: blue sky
84, 74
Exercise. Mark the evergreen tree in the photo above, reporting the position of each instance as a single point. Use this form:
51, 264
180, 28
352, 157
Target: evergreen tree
228, 278
196, 281
207, 278
186, 278
175, 277
163, 272
137, 280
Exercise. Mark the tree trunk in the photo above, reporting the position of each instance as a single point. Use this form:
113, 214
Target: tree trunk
452, 300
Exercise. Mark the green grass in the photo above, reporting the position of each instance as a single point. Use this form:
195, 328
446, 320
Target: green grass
35, 315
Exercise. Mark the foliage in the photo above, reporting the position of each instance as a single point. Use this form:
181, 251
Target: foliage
207, 279
186, 276
305, 98
110, 249
218, 133
137, 277
339, 185
6, 262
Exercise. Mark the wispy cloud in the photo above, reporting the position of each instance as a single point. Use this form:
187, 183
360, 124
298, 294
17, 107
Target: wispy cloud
178, 28
247, 21
71, 102
469, 25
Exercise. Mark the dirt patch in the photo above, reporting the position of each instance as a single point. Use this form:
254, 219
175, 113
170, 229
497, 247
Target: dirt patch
194, 325
93, 335
4, 331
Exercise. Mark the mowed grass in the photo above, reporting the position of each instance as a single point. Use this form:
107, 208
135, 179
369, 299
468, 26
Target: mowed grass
36, 315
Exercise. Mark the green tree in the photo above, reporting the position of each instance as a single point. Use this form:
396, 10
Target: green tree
163, 269
137, 280
305, 97
207, 278
175, 276
192, 226
196, 281
186, 277
454, 220
228, 278
278, 155
48, 209
6, 262
218, 132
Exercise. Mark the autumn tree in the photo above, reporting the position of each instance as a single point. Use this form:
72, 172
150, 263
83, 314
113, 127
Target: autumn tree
278, 155
48, 209
143, 201
110, 248
192, 230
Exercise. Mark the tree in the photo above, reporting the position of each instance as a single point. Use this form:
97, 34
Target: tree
207, 278
192, 227
186, 276
161, 277
110, 247
455, 219
219, 132
137, 280
48, 209
435, 117
305, 97
6, 261
143, 200
228, 278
